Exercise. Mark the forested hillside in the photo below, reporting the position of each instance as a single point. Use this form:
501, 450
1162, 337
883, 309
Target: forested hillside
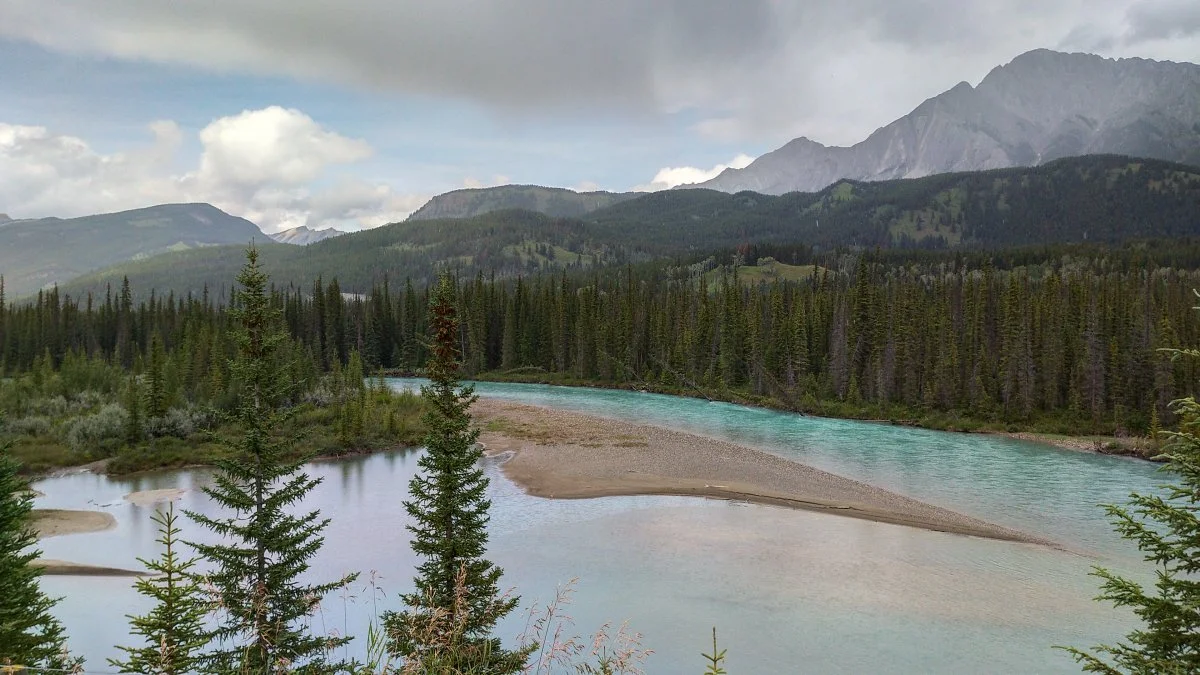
557, 202
1090, 199
1098, 198
42, 252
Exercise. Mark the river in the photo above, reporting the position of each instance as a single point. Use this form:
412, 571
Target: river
789, 591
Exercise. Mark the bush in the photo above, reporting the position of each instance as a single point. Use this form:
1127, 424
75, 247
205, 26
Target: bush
55, 406
29, 426
108, 423
181, 422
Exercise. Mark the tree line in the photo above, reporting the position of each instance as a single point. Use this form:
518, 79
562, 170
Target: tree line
1070, 345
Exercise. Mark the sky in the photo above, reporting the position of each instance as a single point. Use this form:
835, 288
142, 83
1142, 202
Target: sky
352, 114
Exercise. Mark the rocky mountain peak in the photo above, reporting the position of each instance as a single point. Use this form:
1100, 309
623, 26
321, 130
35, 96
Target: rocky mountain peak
1040, 106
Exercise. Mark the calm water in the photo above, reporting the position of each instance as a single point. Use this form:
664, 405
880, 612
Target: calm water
789, 591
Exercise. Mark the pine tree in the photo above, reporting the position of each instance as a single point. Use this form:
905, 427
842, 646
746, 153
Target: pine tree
155, 392
29, 634
133, 405
1167, 530
264, 547
456, 587
174, 629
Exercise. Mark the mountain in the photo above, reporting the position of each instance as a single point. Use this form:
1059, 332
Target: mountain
1042, 106
36, 253
1100, 199
555, 202
304, 235
4, 218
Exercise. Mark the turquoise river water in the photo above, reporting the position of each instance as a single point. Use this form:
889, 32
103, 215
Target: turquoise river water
789, 591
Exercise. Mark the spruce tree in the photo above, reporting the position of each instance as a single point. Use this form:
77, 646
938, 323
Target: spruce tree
1167, 530
449, 617
173, 631
264, 547
29, 634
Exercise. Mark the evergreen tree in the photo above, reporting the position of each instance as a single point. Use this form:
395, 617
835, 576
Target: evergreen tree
456, 587
1167, 530
264, 547
174, 629
29, 634
133, 405
155, 391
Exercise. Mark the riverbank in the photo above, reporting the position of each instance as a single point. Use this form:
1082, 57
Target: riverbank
1048, 433
566, 455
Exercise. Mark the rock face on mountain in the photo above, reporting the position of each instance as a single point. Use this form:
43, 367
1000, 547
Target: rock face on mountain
304, 235
36, 253
1042, 106
556, 202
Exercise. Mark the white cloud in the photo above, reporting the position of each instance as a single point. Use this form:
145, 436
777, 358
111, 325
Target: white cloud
671, 176
259, 164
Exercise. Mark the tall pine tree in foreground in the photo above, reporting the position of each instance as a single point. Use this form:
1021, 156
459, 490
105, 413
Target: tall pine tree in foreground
447, 626
29, 634
264, 546
1167, 530
173, 630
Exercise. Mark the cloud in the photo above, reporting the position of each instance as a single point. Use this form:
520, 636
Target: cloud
265, 165
763, 70
1162, 20
671, 176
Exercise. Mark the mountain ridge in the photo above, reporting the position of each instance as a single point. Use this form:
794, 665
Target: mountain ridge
1042, 105
303, 235
1094, 199
553, 201
39, 252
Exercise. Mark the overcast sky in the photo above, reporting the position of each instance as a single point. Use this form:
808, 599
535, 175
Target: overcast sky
353, 113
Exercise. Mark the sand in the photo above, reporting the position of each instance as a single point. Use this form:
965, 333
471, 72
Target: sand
56, 522
65, 568
566, 455
152, 497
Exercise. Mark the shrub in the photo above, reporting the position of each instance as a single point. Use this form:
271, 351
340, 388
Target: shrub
54, 406
33, 425
84, 433
181, 422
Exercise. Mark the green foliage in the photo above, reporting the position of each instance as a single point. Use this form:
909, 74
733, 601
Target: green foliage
715, 658
450, 616
1167, 531
173, 631
265, 548
29, 633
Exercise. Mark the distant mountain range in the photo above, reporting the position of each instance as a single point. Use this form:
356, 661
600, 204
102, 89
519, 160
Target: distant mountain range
36, 253
1042, 106
556, 202
1102, 199
304, 235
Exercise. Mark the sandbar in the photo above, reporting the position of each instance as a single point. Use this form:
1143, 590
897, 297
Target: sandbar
568, 455
152, 497
56, 522
65, 568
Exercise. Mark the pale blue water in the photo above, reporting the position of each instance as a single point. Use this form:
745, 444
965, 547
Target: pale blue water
790, 592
